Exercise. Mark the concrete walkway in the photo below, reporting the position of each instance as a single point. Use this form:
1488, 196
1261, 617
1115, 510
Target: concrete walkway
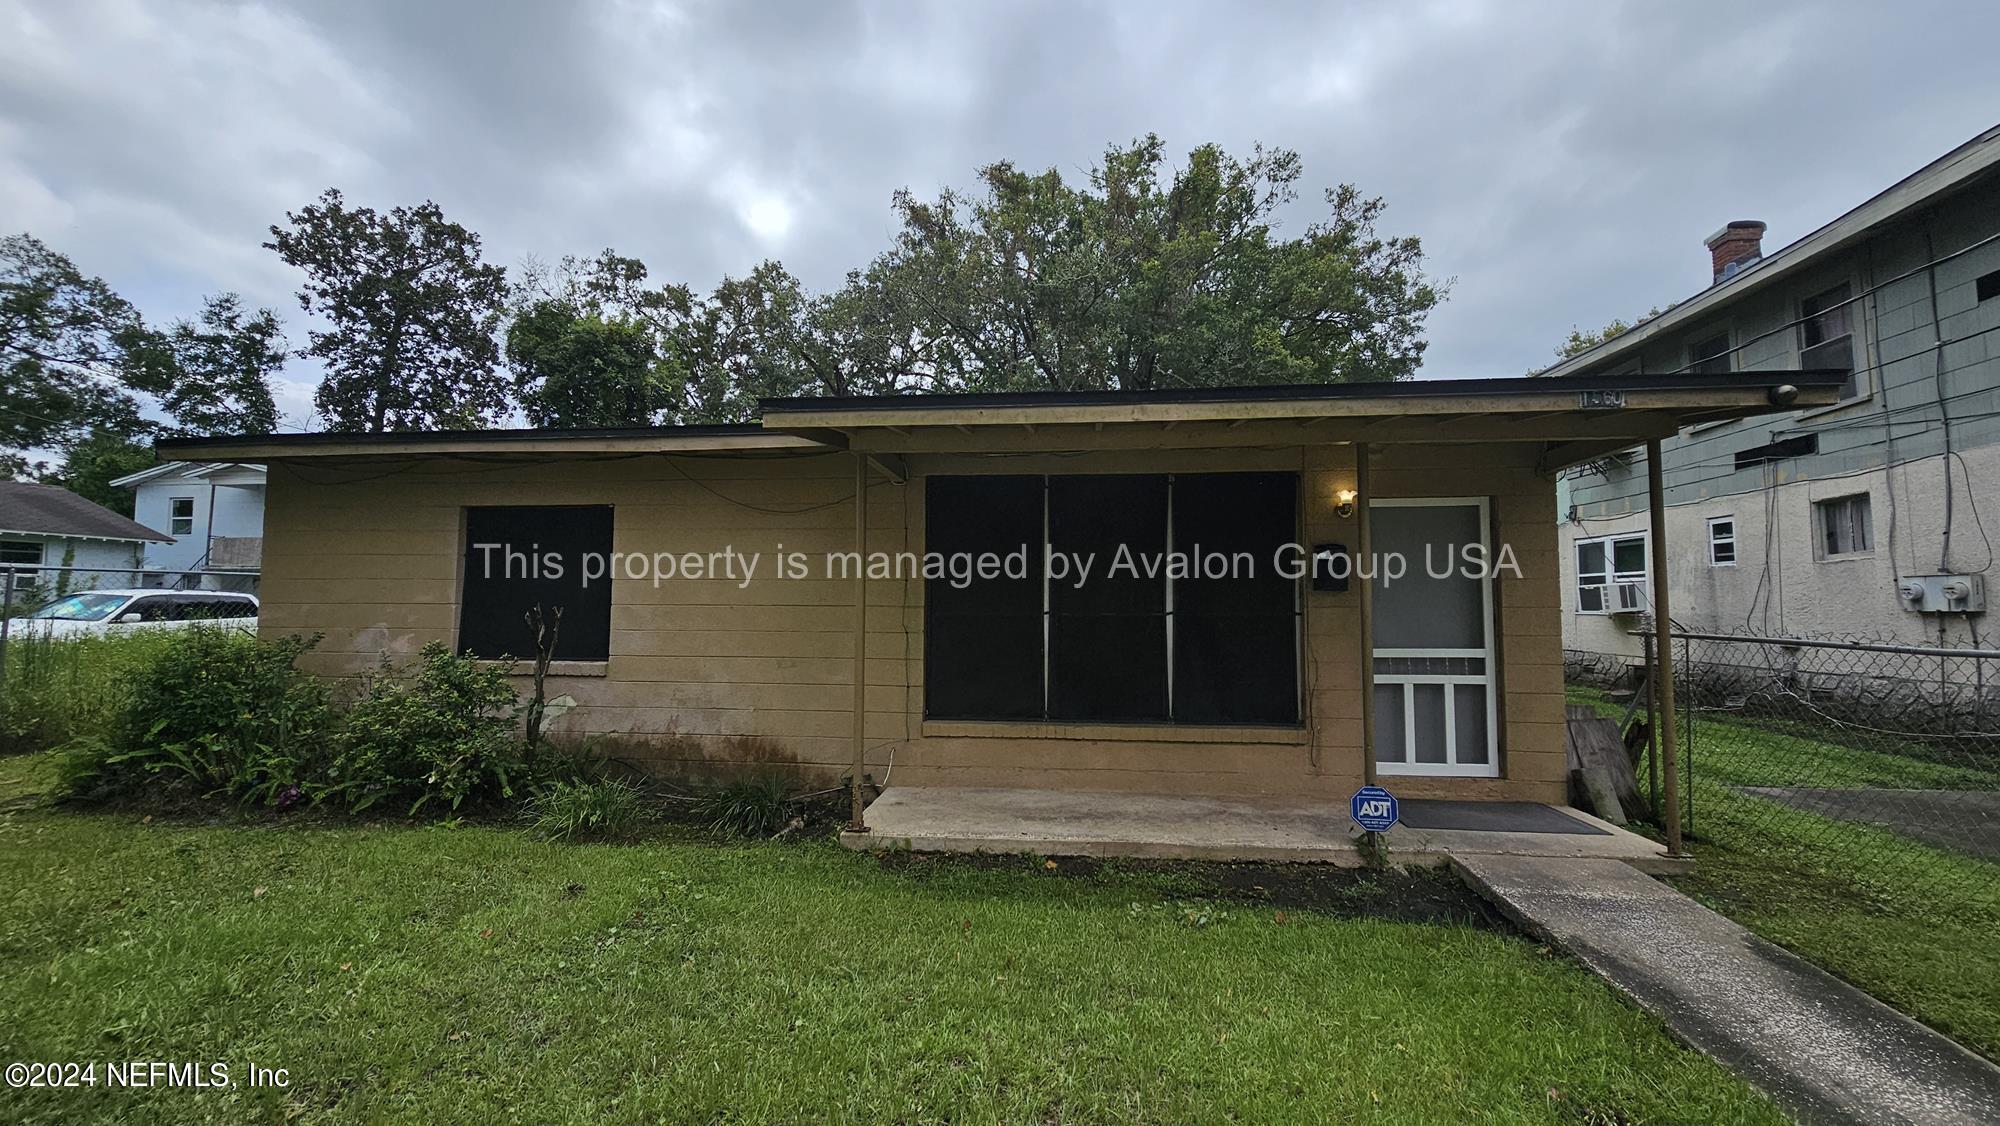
1824, 1050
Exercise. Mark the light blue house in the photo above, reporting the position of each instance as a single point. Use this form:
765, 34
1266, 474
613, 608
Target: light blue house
214, 515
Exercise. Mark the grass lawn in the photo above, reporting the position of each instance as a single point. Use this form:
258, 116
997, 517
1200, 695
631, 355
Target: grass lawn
1913, 924
475, 974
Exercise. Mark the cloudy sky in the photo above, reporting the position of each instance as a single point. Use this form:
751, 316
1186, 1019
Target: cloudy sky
1561, 162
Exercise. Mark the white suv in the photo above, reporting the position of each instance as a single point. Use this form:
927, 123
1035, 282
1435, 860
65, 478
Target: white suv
106, 612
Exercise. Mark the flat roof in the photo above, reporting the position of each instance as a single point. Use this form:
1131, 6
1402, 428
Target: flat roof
1581, 418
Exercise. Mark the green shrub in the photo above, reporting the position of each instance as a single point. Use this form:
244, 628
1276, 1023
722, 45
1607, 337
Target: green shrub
587, 810
63, 689
218, 709
757, 806
442, 730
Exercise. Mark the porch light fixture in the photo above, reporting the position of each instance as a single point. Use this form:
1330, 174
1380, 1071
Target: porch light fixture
1343, 503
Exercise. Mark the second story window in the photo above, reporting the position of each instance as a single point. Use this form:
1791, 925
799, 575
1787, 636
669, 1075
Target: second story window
180, 516
1826, 336
1722, 541
1712, 354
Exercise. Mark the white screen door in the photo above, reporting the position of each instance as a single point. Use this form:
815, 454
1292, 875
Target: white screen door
1433, 644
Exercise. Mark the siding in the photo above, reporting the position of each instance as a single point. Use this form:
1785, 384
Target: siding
707, 671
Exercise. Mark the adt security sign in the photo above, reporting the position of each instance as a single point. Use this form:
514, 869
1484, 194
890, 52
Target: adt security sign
1374, 808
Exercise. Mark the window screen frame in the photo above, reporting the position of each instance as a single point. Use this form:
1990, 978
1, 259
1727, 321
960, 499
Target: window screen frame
175, 520
572, 563
1609, 575
1718, 537
1841, 509
1832, 307
1047, 715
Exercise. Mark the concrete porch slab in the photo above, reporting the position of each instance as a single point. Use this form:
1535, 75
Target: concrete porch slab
1152, 826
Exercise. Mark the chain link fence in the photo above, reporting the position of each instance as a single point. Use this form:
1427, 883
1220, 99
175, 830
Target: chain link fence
1874, 766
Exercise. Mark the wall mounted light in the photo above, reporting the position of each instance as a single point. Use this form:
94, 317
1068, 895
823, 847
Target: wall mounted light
1343, 503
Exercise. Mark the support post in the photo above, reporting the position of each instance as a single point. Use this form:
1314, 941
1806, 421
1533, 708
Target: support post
6, 620
1663, 647
1364, 556
855, 821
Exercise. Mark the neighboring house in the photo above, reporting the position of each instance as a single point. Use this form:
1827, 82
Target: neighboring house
44, 529
1228, 673
215, 515
1838, 521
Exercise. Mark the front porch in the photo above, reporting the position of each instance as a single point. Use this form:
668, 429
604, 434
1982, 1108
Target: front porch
1159, 826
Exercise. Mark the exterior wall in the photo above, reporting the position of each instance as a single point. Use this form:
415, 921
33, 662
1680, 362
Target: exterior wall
706, 671
112, 562
1890, 442
219, 510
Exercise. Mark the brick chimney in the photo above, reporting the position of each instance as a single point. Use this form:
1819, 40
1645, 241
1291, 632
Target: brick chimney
1735, 246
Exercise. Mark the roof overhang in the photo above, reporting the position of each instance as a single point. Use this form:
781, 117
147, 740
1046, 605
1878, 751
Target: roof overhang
265, 448
1577, 419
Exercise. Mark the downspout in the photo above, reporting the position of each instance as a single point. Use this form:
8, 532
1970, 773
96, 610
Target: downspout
1663, 645
855, 821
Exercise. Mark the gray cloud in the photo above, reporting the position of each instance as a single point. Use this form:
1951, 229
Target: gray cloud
1561, 163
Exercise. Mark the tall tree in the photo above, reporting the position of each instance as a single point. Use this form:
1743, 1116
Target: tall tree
216, 369
576, 368
66, 346
413, 311
1145, 278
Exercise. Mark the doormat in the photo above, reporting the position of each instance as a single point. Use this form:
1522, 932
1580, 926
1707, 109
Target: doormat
1492, 817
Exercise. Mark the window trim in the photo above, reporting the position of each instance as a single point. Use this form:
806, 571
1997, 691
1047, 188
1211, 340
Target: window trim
1820, 508
1715, 541
1864, 385
174, 517
1612, 576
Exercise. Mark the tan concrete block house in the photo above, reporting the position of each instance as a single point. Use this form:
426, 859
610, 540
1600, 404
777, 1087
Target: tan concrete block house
1156, 679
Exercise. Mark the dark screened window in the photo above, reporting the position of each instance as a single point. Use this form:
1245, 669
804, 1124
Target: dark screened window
983, 636
1136, 641
517, 558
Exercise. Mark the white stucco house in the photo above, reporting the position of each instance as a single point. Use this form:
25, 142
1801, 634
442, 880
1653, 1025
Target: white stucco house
52, 541
1868, 518
213, 514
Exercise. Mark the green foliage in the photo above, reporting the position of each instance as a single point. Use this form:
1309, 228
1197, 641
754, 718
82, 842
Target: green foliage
757, 806
411, 311
577, 368
64, 689
91, 463
441, 730
64, 343
600, 809
1143, 279
221, 365
226, 712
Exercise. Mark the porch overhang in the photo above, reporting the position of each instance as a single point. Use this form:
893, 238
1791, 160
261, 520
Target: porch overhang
1576, 419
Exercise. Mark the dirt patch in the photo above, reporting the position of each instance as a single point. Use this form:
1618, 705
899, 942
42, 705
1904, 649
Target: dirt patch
1966, 821
1429, 895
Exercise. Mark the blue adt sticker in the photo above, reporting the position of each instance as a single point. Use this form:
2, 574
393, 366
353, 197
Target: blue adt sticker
1374, 808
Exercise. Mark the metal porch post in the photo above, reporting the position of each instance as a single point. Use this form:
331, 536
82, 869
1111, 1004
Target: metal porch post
1364, 551
856, 822
1663, 646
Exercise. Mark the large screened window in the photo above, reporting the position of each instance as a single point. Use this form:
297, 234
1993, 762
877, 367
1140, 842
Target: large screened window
520, 557
1180, 615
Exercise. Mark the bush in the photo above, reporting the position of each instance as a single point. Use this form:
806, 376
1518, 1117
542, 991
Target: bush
752, 807
442, 730
586, 810
219, 709
63, 689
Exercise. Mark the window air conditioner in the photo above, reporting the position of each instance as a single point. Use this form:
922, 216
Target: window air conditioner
1628, 598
